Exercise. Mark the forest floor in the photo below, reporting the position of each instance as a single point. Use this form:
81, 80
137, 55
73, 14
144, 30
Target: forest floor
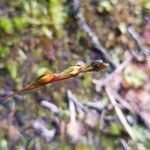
107, 110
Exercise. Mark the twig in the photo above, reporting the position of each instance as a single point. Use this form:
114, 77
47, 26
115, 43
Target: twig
98, 105
124, 144
93, 37
135, 37
102, 119
74, 126
120, 113
51, 107
122, 101
39, 127
73, 98
142, 49
72, 111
